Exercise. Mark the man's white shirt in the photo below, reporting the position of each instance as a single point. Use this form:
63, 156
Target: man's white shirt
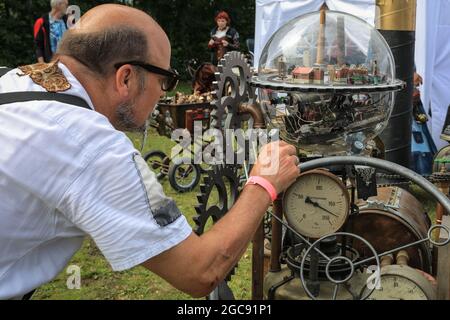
65, 172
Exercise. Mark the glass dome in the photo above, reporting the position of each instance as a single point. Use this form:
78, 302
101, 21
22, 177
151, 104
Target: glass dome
326, 81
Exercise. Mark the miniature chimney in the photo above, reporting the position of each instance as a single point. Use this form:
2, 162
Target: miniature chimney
321, 45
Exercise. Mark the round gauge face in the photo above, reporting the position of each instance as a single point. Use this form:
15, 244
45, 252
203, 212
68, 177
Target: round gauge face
402, 283
317, 204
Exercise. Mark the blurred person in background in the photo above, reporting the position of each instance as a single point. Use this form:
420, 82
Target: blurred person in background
49, 29
223, 37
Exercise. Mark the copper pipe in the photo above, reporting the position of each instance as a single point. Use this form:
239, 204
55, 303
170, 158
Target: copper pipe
440, 211
276, 243
255, 111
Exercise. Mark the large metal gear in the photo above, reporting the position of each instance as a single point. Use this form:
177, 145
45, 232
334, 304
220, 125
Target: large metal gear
232, 88
232, 92
225, 180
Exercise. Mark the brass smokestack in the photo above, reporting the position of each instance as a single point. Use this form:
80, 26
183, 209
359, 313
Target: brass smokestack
396, 21
398, 15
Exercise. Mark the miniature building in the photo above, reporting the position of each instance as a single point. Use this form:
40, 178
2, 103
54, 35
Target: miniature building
357, 75
363, 75
303, 75
282, 67
342, 75
375, 67
375, 78
331, 73
306, 58
351, 71
319, 75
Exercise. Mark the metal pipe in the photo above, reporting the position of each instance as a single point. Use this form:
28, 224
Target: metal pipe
440, 212
258, 264
255, 112
383, 165
275, 250
273, 289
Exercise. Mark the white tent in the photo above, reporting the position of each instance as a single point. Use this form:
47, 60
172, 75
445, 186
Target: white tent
433, 61
432, 42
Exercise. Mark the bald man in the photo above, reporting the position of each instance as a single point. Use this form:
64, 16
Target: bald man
67, 171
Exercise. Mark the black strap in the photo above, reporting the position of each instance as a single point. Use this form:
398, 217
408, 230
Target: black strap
28, 295
4, 70
24, 96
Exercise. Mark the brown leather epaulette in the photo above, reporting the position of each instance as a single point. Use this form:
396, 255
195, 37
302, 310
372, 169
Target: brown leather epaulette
47, 75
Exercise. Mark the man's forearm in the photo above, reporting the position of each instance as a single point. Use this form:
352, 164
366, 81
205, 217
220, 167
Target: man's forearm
204, 261
229, 238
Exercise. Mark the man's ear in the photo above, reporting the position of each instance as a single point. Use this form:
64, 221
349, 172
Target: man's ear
123, 79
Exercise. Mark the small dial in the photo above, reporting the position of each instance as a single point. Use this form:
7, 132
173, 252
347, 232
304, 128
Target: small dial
398, 282
317, 204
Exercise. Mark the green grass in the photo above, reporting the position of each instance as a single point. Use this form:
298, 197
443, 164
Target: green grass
183, 86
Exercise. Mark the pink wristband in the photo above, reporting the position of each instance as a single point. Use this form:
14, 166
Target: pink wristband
265, 184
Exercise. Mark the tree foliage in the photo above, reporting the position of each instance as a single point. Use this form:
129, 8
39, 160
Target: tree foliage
187, 23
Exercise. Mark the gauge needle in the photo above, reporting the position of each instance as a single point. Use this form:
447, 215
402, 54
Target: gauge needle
315, 204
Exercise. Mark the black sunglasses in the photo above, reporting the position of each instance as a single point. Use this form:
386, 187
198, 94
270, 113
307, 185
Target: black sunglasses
171, 76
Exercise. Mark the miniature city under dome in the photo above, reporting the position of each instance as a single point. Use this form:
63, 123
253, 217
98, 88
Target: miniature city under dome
327, 81
333, 49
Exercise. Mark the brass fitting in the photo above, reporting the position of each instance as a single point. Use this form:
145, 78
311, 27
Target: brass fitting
402, 258
399, 15
255, 111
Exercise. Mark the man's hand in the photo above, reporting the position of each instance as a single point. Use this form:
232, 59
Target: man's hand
211, 43
225, 43
278, 163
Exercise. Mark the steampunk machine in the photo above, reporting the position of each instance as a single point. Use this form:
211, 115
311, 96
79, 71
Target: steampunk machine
350, 226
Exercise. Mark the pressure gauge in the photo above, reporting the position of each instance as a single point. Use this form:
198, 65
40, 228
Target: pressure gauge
401, 282
316, 204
